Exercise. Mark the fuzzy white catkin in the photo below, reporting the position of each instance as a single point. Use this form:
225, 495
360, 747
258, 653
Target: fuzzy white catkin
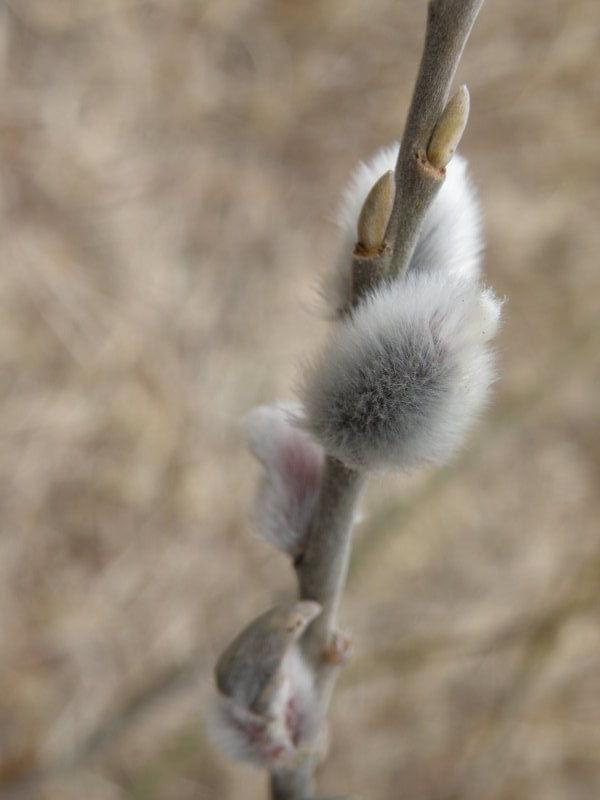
450, 239
403, 377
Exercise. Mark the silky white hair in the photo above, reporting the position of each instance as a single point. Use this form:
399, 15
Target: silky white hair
402, 378
450, 238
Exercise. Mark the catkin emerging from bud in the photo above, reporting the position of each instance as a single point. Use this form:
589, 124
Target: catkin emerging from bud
264, 708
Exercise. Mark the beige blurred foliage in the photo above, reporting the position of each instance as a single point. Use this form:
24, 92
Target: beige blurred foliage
169, 170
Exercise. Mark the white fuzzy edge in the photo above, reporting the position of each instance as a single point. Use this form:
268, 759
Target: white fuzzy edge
450, 238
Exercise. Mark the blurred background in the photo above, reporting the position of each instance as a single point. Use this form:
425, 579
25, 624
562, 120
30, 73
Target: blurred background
170, 170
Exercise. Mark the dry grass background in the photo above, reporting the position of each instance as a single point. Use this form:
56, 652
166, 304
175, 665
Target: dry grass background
168, 170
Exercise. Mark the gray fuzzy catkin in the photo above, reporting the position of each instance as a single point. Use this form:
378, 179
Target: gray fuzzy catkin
401, 380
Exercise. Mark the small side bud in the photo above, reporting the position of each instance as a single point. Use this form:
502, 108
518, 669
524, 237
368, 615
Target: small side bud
375, 214
449, 129
339, 649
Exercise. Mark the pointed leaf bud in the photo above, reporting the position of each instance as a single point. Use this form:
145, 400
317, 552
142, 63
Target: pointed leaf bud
449, 129
375, 214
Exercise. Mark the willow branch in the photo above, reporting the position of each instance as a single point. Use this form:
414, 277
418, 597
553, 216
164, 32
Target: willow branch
323, 568
449, 23
387, 234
